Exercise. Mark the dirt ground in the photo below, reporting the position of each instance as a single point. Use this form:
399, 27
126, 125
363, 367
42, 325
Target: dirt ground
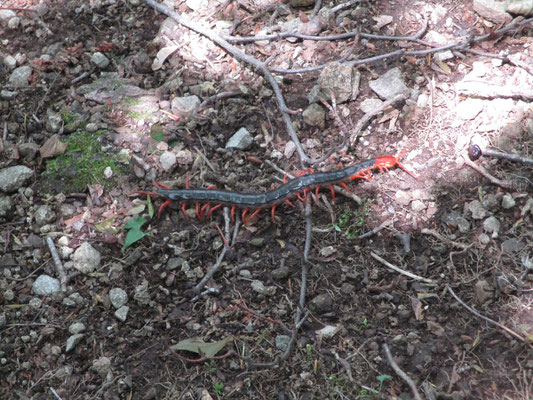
459, 234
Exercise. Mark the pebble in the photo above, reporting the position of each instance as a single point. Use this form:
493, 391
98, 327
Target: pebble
508, 201
483, 291
13, 178
100, 60
281, 272
45, 285
118, 297
322, 303
260, 288
20, 76
328, 331
168, 160
101, 365
477, 210
77, 327
86, 259
122, 313
492, 226
44, 215
241, 140
73, 341
282, 341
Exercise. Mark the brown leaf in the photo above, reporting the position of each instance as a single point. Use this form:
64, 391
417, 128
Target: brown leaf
52, 147
417, 308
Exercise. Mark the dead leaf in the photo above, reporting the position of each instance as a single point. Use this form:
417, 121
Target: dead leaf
53, 147
162, 55
382, 20
417, 308
197, 345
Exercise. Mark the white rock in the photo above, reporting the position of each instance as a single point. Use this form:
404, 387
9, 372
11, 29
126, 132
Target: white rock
86, 258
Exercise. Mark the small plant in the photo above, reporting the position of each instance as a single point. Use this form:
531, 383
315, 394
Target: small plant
211, 366
350, 222
218, 388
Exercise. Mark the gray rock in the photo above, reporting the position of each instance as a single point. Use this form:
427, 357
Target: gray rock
29, 151
402, 197
10, 62
13, 23
73, 341
369, 105
76, 327
512, 245
241, 140
174, 262
492, 10
282, 341
302, 3
327, 251
6, 15
490, 201
322, 303
111, 88
508, 201
100, 60
168, 160
141, 295
195, 5
184, 106
118, 297
483, 291
7, 207
259, 287
245, 273
418, 206
477, 210
492, 226
341, 80
122, 313
13, 178
123, 156
7, 94
20, 76
456, 221
314, 115
101, 366
86, 258
44, 215
389, 84
45, 285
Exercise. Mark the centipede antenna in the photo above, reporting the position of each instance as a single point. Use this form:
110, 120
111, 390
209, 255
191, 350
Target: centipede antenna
317, 189
406, 170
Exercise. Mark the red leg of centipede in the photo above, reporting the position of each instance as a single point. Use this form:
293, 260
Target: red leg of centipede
289, 203
332, 193
213, 209
166, 203
244, 215
198, 212
204, 208
252, 216
233, 213
273, 213
159, 185
183, 210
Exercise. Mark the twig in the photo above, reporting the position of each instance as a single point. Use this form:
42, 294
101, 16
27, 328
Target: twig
58, 397
475, 151
58, 264
400, 372
477, 314
436, 234
487, 175
376, 229
401, 271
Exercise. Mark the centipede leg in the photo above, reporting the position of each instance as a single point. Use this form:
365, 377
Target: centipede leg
166, 203
187, 181
345, 186
183, 210
198, 211
159, 185
273, 213
317, 189
252, 216
332, 193
213, 209
244, 215
289, 203
204, 208
233, 213
406, 170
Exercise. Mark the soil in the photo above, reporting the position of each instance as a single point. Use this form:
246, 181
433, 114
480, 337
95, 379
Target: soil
439, 227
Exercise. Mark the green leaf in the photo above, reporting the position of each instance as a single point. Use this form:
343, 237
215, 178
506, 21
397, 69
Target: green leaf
134, 231
198, 346
383, 378
135, 223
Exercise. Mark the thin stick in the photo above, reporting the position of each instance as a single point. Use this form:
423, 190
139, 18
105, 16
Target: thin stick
400, 372
401, 271
436, 234
58, 264
477, 314
487, 175
507, 156
385, 224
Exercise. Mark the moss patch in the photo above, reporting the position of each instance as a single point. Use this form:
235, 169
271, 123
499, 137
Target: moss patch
82, 164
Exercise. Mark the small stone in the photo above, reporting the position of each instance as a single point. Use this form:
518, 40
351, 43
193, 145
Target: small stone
77, 327
245, 273
282, 341
469, 109
508, 201
44, 215
108, 172
168, 160
20, 76
328, 331
122, 313
281, 272
370, 105
7, 207
389, 84
10, 62
322, 303
184, 106
73, 341
492, 226
402, 197
478, 212
241, 140
327, 251
483, 291
142, 296
512, 245
100, 60
257, 242
314, 115
101, 365
418, 206
118, 297
184, 157
290, 147
86, 258
3, 320
45, 285
258, 287
29, 151
123, 156
13, 178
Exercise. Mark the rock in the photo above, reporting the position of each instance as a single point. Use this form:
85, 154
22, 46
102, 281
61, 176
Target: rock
418, 206
259, 287
77, 327
402, 197
314, 115
142, 296
111, 88
483, 291
7, 208
3, 320
86, 258
469, 109
44, 215
339, 79
73, 341
118, 297
389, 85
508, 201
478, 212
54, 120
45, 285
241, 140
101, 366
490, 201
123, 156
29, 151
184, 106
13, 178
456, 221
281, 272
184, 157
327, 251
521, 7
10, 62
100, 60
289, 150
370, 105
13, 23
195, 5
512, 245
245, 273
322, 303
20, 76
122, 313
492, 10
6, 15
492, 226
282, 342
168, 160
328, 331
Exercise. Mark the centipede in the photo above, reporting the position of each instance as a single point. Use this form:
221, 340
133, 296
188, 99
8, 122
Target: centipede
308, 180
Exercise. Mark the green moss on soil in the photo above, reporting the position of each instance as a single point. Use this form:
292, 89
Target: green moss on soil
83, 163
